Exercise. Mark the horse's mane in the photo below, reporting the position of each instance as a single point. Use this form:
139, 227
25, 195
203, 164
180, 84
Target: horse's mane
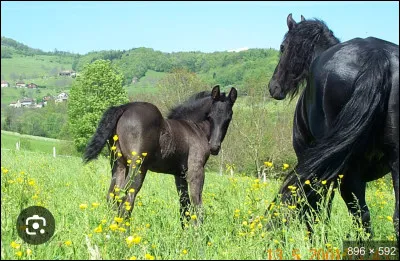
195, 108
306, 41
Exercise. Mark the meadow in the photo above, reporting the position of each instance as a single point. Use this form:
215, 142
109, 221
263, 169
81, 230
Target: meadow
235, 224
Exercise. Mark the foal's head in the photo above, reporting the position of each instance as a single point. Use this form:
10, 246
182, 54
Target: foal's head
301, 44
220, 116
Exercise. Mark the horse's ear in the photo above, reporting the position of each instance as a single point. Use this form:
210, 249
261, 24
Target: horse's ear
232, 95
291, 23
215, 93
302, 18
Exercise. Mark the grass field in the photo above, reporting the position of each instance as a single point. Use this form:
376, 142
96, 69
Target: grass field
234, 226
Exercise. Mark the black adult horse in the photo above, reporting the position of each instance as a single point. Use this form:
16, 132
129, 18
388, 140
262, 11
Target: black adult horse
347, 118
179, 145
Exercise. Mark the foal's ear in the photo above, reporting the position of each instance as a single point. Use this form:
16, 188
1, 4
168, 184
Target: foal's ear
232, 95
291, 23
302, 18
215, 93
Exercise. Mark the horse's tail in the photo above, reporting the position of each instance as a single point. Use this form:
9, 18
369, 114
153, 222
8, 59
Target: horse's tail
104, 132
329, 155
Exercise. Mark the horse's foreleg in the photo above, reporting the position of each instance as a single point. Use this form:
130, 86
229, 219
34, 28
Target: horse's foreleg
182, 188
195, 178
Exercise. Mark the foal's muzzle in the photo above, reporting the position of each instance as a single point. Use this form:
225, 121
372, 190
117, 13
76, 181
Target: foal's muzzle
215, 149
275, 90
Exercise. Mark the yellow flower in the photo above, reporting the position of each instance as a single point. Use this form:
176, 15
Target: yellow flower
103, 221
117, 190
285, 166
131, 190
194, 217
112, 195
113, 148
134, 153
98, 229
268, 164
127, 224
144, 154
15, 245
129, 161
341, 176
19, 253
138, 161
307, 182
128, 208
133, 258
187, 213
28, 252
184, 251
5, 171
113, 227
389, 218
95, 204
149, 257
83, 206
323, 182
68, 242
284, 220
147, 225
31, 182
292, 207
209, 243
276, 241
118, 219
115, 138
119, 154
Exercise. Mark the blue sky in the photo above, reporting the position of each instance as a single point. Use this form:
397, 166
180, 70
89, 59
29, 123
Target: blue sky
81, 27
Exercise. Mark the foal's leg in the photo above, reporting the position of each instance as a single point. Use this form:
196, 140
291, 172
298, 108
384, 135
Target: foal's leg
353, 193
195, 178
119, 171
182, 187
136, 182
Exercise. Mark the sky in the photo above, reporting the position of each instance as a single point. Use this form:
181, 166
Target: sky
81, 27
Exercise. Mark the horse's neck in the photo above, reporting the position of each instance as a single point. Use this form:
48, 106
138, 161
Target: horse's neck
205, 126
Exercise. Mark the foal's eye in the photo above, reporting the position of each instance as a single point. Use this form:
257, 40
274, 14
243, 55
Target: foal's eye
282, 48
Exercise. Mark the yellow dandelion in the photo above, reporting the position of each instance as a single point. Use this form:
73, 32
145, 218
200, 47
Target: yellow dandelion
133, 258
209, 243
113, 227
128, 208
118, 219
83, 206
117, 190
115, 138
103, 221
121, 229
144, 154
113, 148
292, 207
307, 182
19, 253
28, 252
244, 223
112, 195
389, 218
323, 182
68, 242
119, 154
98, 229
184, 251
134, 153
341, 176
147, 225
284, 220
276, 241
328, 245
268, 164
138, 161
15, 245
193, 217
127, 224
285, 166
31, 182
131, 190
187, 213
149, 257
95, 204
129, 161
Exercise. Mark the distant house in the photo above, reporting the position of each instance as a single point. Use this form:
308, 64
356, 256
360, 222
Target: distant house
40, 105
15, 104
62, 97
66, 73
32, 86
20, 84
4, 84
26, 102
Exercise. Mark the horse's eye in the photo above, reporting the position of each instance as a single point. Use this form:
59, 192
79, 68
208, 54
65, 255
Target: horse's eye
282, 48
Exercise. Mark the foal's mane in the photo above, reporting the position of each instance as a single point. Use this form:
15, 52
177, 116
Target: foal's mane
305, 42
195, 108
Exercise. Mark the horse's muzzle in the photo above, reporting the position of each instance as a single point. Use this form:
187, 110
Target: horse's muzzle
215, 150
276, 91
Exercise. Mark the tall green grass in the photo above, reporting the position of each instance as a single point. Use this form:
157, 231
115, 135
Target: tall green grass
234, 226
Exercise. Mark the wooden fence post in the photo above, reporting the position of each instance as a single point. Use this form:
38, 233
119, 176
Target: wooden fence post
54, 152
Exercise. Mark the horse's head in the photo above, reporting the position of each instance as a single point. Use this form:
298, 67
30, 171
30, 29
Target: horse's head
220, 116
301, 44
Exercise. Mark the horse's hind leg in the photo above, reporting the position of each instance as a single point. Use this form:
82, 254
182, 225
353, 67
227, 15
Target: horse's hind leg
394, 166
133, 181
119, 171
182, 187
352, 190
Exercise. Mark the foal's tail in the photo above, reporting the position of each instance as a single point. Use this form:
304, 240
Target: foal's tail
104, 132
354, 123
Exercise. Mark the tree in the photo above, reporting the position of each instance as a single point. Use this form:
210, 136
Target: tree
97, 88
